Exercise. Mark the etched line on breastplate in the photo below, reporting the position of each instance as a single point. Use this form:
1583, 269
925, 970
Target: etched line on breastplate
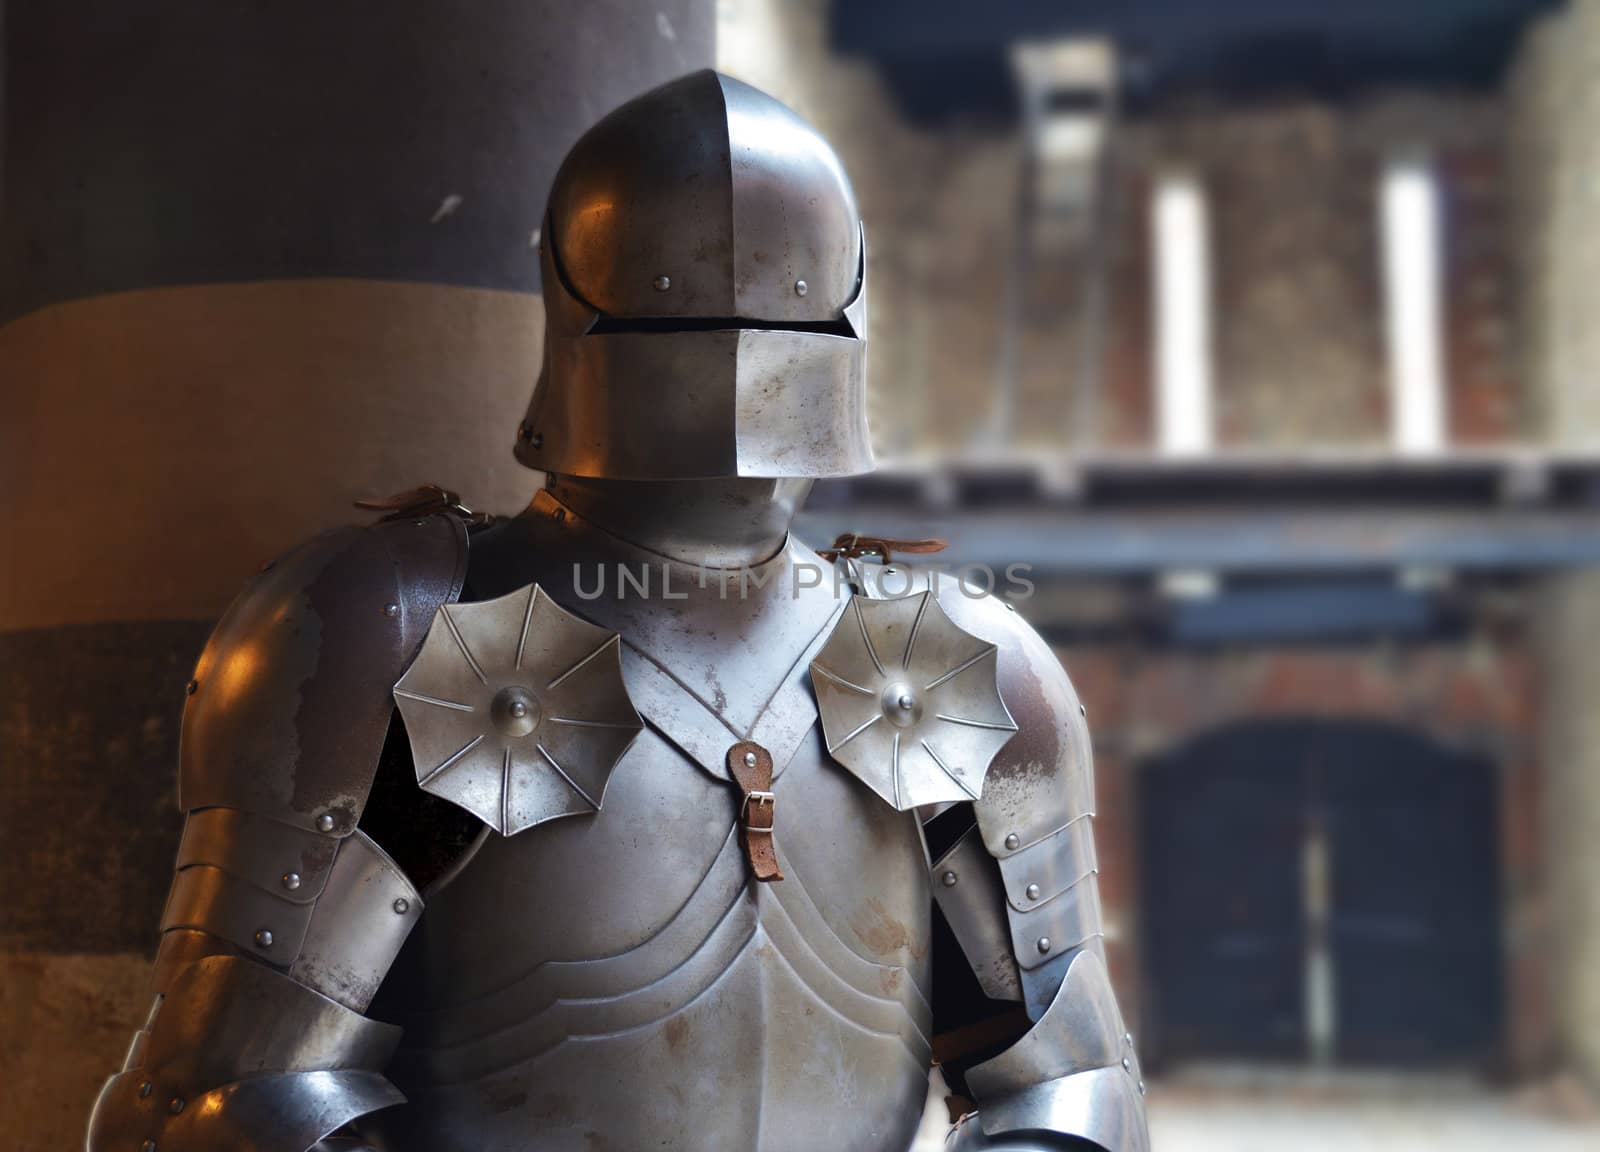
571, 1017
811, 924
721, 885
918, 1052
884, 1015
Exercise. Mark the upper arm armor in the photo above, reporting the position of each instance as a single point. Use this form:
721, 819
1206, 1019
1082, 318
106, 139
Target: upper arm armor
281, 738
1025, 900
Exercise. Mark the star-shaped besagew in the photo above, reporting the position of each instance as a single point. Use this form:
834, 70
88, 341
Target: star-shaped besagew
909, 701
516, 710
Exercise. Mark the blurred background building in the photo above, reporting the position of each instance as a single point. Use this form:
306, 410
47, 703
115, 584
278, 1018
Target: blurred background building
1266, 331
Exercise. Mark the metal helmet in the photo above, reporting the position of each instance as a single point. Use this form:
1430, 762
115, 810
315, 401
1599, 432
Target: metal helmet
705, 296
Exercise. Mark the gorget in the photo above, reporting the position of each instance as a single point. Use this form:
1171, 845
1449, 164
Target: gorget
614, 978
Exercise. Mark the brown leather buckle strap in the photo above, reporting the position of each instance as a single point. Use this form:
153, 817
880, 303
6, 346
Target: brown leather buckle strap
852, 545
751, 766
423, 501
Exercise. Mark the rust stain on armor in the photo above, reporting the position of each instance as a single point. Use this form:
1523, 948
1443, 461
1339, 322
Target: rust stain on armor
676, 1031
322, 721
1035, 750
883, 934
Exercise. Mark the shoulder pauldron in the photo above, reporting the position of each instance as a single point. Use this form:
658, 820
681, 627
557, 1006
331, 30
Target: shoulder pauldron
291, 698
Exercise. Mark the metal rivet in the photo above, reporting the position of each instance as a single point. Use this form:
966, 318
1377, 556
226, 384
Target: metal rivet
1127, 1065
402, 905
906, 702
1127, 1038
263, 940
1032, 892
800, 288
291, 880
949, 879
419, 523
1013, 840
1083, 710
391, 609
1044, 944
518, 708
662, 283
145, 1089
1141, 1087
148, 1146
522, 431
749, 759
192, 687
1010, 607
175, 1105
538, 440
888, 571
325, 823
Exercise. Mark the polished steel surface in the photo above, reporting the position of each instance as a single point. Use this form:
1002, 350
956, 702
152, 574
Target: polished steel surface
721, 523
679, 343
208, 1030
629, 946
705, 198
1070, 920
732, 643
968, 891
1081, 1030
909, 702
1102, 1106
1076, 1071
700, 404
1043, 778
283, 859
516, 710
1043, 870
339, 942
289, 1112
291, 701
236, 1055
252, 919
362, 918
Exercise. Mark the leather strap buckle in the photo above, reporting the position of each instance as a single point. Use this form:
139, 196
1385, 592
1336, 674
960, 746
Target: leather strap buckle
751, 767
760, 799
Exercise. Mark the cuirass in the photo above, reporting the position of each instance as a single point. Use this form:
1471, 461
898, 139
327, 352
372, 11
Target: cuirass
617, 980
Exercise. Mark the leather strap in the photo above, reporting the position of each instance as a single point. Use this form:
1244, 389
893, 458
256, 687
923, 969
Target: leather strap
852, 545
423, 501
751, 766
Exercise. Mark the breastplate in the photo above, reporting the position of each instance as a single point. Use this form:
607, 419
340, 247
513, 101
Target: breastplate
617, 980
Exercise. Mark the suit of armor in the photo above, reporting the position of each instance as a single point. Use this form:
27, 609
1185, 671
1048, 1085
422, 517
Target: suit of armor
622, 823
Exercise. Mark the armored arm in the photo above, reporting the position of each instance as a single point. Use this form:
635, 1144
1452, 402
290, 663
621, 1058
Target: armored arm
1020, 892
284, 915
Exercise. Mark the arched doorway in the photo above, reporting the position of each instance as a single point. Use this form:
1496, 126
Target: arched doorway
1321, 890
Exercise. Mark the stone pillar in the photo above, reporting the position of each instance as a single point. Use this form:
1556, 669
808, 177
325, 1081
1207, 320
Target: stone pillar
1556, 169
255, 261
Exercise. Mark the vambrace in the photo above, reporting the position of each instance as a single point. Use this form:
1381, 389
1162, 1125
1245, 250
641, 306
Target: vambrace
237, 1055
1021, 894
